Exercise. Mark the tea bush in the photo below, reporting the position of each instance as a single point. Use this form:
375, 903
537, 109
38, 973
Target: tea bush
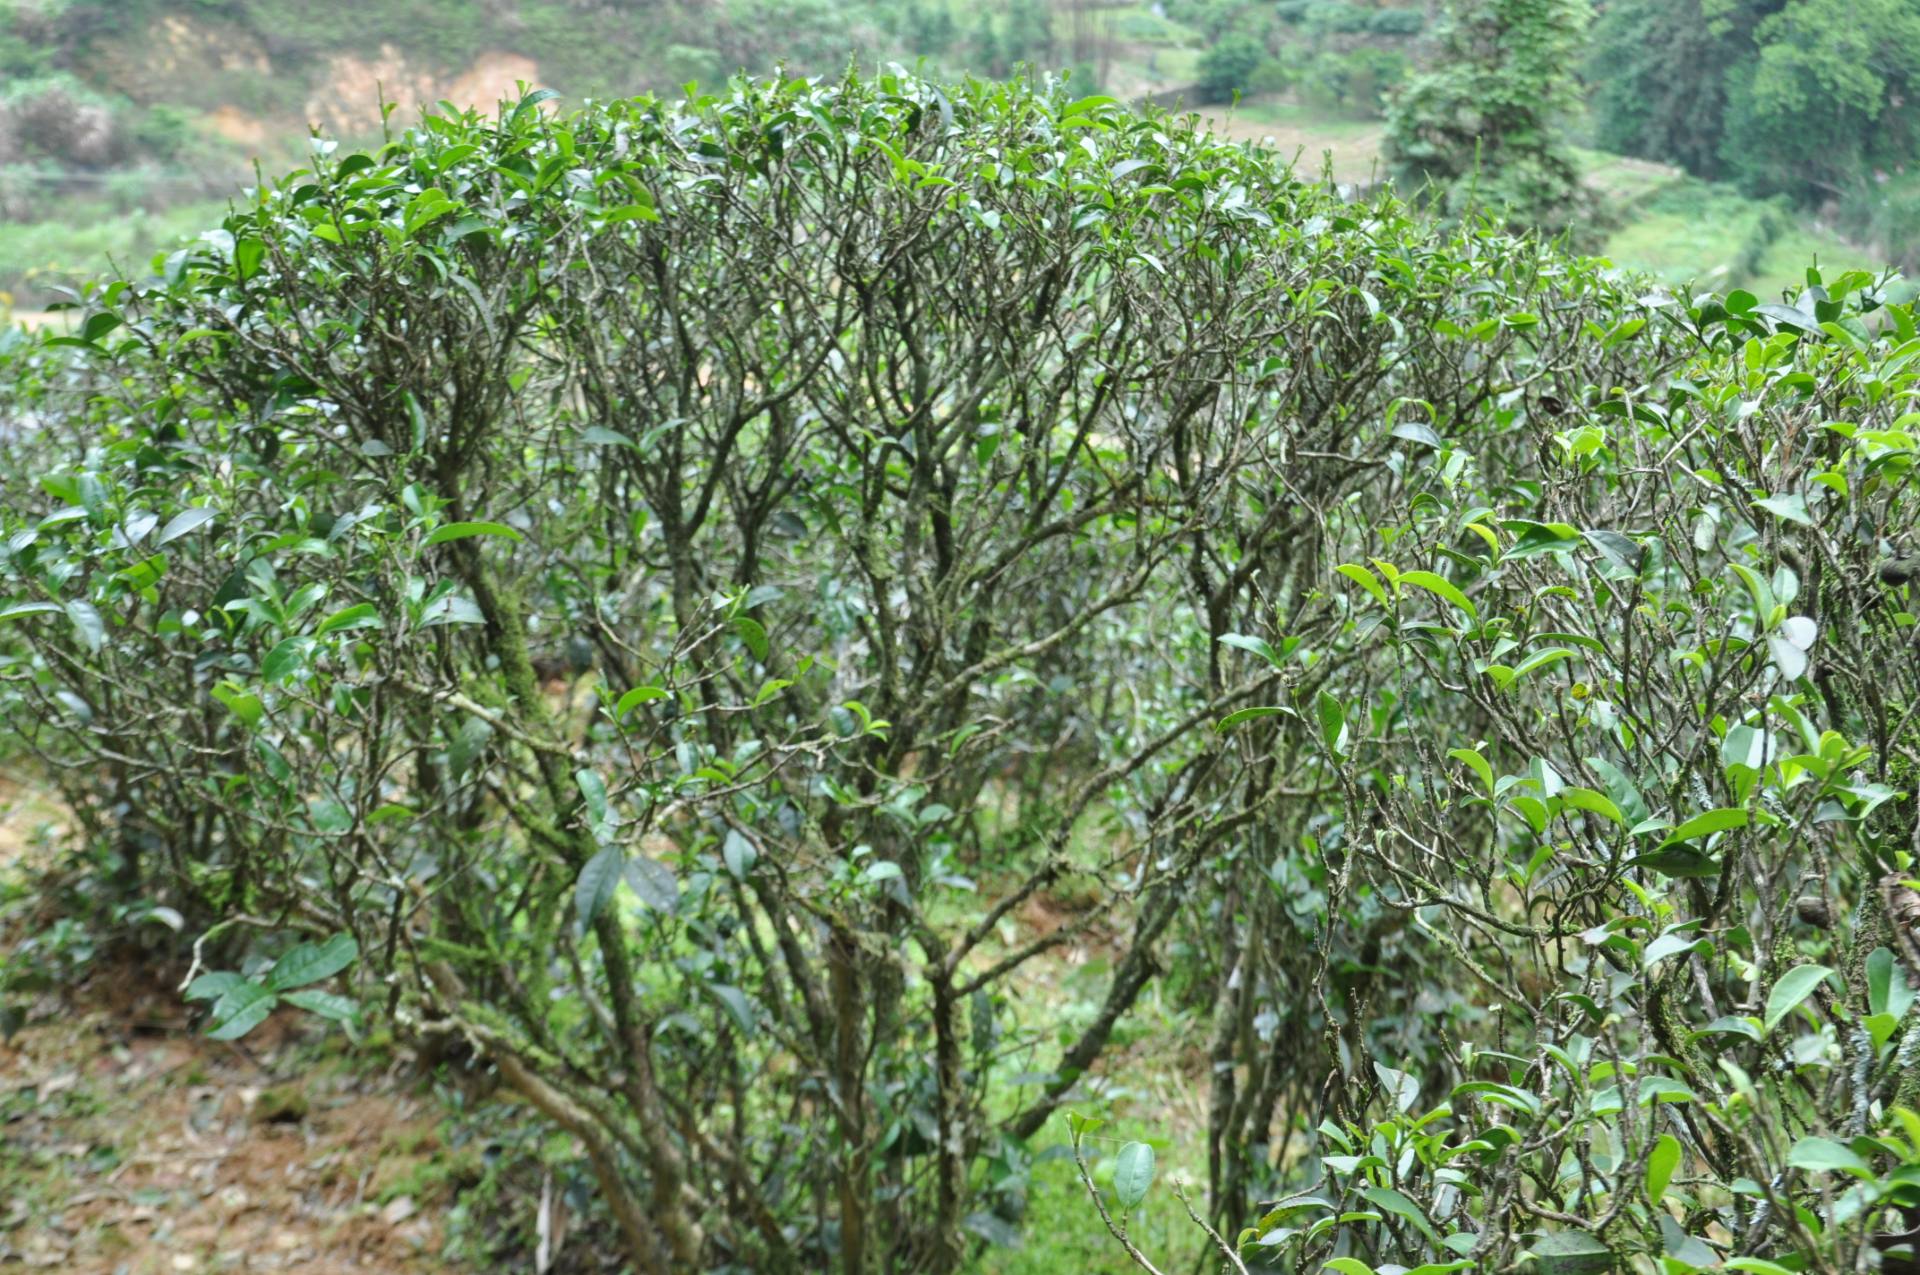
646, 593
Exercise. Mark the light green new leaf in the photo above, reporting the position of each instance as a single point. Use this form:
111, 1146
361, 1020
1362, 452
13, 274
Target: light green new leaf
1333, 722
1824, 1155
1706, 825
1661, 1162
242, 705
1541, 659
1443, 587
1794, 986
1588, 800
462, 530
1365, 579
1477, 763
634, 698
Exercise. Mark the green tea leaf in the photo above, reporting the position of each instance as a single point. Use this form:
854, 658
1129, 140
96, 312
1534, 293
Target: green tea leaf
311, 962
1133, 1174
1794, 986
463, 530
1661, 1162
1441, 586
1706, 825
1824, 1155
597, 882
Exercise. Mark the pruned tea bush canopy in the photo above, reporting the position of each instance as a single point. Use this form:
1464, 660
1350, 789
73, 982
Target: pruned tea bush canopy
654, 593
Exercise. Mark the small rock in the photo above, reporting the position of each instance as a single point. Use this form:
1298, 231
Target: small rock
285, 1104
397, 1211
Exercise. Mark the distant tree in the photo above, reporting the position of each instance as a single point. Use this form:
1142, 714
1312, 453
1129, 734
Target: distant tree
1482, 126
1029, 34
1818, 102
1228, 67
1660, 70
989, 53
929, 29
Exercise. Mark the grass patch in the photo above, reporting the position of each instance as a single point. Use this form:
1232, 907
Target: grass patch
1062, 1232
39, 257
1715, 237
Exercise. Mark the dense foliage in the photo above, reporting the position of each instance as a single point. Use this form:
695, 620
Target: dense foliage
1482, 127
645, 594
1797, 97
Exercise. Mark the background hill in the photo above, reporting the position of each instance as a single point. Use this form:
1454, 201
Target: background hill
125, 124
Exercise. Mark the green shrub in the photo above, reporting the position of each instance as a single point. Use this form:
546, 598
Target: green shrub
1273, 75
1357, 81
1228, 67
1332, 17
1480, 128
1397, 22
585, 584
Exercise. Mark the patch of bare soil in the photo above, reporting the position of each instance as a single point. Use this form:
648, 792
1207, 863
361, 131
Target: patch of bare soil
350, 90
31, 821
1355, 156
235, 125
133, 1144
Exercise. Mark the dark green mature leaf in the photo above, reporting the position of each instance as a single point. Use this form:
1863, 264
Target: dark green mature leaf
1132, 1174
311, 962
740, 854
339, 1009
286, 659
1617, 549
598, 881
1887, 988
653, 883
1399, 1205
240, 1009
1250, 714
1259, 646
1571, 1253
753, 635
1678, 861
213, 985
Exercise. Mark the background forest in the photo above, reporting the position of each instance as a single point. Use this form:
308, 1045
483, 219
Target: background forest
883, 668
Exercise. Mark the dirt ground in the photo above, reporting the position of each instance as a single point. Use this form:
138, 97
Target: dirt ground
132, 1145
